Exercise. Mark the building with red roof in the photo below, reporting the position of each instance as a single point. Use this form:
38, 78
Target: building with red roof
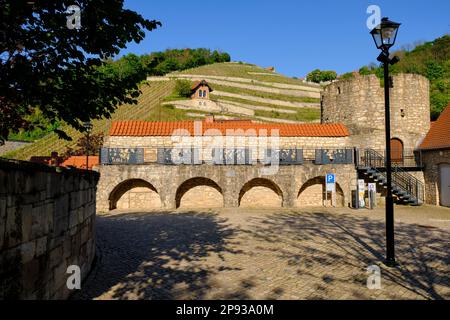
230, 163
200, 90
435, 149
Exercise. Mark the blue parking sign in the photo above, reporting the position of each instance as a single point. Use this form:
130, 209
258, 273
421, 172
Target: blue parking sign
330, 178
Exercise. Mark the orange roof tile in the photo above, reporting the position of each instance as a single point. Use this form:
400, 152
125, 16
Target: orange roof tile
73, 161
80, 161
226, 127
439, 135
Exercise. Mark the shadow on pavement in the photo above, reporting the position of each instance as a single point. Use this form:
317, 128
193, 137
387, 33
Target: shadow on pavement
141, 254
423, 252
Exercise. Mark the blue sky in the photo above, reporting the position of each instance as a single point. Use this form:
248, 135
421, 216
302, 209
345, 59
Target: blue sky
293, 36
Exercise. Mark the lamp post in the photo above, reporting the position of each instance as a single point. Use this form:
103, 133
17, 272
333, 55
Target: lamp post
88, 127
384, 36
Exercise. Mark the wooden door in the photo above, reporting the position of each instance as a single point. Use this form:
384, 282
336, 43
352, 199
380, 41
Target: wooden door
396, 150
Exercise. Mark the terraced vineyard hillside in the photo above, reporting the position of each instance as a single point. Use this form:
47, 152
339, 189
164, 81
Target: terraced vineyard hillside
246, 90
147, 108
240, 91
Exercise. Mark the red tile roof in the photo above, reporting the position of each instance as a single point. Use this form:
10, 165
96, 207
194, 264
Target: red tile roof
439, 135
147, 128
80, 162
200, 83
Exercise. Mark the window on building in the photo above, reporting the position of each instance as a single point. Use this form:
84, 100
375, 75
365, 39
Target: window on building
204, 93
200, 93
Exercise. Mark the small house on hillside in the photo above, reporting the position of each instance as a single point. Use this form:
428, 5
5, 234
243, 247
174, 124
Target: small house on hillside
200, 90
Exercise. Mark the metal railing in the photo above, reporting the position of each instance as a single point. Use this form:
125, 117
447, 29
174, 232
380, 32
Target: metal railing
401, 179
409, 158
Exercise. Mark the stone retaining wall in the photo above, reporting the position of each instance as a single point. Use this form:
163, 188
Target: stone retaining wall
47, 219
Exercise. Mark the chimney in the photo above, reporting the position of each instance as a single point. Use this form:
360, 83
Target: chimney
209, 118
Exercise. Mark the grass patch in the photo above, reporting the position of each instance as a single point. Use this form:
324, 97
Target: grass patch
168, 112
174, 97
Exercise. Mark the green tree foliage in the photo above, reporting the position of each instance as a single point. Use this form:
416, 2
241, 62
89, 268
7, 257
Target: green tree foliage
347, 75
40, 124
430, 59
181, 59
365, 71
183, 88
62, 71
318, 76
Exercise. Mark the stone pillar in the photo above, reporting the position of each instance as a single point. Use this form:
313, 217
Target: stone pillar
168, 198
230, 196
289, 197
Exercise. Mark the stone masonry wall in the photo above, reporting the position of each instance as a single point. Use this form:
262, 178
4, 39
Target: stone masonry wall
433, 159
359, 104
139, 198
259, 197
238, 141
180, 185
201, 197
152, 143
47, 218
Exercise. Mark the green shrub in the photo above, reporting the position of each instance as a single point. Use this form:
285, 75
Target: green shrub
183, 88
318, 76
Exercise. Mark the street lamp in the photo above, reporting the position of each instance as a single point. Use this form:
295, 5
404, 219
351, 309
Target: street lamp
88, 128
384, 36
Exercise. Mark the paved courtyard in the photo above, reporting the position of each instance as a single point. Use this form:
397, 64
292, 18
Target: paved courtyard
269, 254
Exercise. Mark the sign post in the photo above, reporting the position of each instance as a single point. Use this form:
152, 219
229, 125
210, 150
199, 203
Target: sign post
372, 187
330, 180
361, 192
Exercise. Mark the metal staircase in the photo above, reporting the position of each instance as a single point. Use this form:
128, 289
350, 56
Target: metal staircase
407, 188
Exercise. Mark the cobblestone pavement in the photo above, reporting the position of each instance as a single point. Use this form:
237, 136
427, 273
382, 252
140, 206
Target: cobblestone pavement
269, 254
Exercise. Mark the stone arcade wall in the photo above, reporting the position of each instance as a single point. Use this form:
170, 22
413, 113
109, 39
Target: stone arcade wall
359, 104
47, 219
235, 184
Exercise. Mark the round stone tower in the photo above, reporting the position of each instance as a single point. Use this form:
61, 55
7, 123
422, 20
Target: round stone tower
359, 104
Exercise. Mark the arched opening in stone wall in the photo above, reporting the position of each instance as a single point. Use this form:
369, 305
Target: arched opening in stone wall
134, 194
312, 194
199, 193
396, 150
260, 192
